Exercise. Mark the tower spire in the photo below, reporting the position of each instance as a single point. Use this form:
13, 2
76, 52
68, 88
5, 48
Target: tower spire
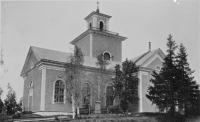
97, 7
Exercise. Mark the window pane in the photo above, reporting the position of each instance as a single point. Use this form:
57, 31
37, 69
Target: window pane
109, 96
86, 93
59, 91
106, 56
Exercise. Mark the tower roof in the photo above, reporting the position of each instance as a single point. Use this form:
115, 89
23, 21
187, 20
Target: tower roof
103, 33
97, 13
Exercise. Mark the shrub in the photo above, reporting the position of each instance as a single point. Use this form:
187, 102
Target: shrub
2, 116
168, 118
27, 112
17, 115
115, 110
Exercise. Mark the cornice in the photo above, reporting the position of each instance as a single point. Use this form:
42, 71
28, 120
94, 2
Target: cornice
145, 69
60, 66
102, 33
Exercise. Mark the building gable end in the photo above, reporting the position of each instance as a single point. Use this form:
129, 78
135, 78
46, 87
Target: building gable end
30, 62
152, 58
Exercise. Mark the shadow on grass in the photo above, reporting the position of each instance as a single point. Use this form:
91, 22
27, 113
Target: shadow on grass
168, 118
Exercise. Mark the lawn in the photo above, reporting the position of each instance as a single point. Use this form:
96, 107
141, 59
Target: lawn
134, 117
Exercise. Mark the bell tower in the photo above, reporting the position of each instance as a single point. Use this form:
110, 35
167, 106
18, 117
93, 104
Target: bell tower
100, 21
97, 39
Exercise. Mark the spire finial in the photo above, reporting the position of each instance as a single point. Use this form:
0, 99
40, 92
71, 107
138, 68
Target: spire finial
97, 7
149, 46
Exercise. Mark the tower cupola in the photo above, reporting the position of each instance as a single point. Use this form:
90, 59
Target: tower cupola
98, 20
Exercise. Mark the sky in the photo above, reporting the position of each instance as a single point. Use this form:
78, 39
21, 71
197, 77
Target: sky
53, 24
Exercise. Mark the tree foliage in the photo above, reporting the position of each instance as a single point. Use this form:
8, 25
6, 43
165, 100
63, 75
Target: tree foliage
173, 86
188, 92
163, 91
73, 77
126, 84
1, 105
1, 102
2, 65
10, 101
101, 63
1, 91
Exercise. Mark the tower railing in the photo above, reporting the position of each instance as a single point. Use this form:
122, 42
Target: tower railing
103, 30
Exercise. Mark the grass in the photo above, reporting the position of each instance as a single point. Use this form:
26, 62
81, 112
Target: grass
136, 117
133, 117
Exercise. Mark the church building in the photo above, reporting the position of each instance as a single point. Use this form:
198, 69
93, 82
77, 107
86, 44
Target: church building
43, 71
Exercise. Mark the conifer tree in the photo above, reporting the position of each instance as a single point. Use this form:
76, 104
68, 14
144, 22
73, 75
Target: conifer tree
163, 92
126, 84
188, 89
10, 101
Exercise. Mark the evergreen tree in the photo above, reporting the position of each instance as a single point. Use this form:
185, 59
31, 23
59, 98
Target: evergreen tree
188, 89
1, 105
19, 106
126, 84
163, 93
10, 101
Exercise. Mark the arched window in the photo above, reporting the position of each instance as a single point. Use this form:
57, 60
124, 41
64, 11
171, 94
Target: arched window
31, 85
106, 56
90, 25
109, 95
59, 91
101, 26
86, 94
157, 68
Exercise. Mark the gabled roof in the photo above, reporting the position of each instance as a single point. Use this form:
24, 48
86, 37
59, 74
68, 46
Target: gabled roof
59, 57
42, 53
141, 59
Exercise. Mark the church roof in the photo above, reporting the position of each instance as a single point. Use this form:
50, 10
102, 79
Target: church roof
141, 59
60, 57
53, 56
42, 53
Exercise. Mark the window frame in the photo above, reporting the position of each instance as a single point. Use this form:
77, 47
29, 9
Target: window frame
31, 85
109, 54
90, 22
103, 29
158, 69
64, 92
82, 96
30, 94
109, 84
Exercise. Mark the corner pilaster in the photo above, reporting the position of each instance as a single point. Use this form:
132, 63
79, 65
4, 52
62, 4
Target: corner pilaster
43, 89
91, 45
140, 73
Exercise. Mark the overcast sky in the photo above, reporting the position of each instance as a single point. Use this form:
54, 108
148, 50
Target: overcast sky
52, 25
